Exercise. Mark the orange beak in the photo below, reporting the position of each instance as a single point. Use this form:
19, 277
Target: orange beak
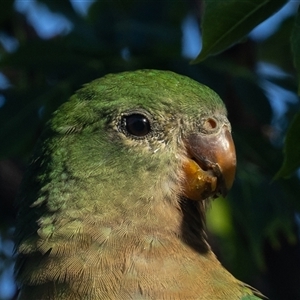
210, 168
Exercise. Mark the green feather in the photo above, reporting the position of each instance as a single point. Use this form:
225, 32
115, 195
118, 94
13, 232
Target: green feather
101, 214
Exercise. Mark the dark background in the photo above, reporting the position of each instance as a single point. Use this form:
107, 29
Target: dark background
255, 230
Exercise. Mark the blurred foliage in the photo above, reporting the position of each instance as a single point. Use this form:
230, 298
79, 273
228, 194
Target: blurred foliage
254, 231
295, 41
291, 149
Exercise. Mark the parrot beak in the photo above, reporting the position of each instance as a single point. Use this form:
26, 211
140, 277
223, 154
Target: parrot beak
210, 168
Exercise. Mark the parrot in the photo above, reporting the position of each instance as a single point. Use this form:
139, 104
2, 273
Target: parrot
113, 202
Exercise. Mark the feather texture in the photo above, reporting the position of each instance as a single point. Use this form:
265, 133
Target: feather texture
102, 212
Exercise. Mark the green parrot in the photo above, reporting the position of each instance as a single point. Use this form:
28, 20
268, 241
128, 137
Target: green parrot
113, 202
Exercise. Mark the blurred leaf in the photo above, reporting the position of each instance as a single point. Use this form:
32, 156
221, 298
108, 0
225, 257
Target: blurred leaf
287, 82
279, 54
256, 102
47, 55
227, 22
62, 6
6, 9
291, 149
264, 200
18, 121
295, 41
219, 218
85, 34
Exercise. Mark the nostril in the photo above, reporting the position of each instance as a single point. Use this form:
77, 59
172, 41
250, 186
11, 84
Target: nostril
210, 124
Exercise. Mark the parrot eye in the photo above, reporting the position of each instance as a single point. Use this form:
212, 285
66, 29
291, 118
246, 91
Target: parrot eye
137, 125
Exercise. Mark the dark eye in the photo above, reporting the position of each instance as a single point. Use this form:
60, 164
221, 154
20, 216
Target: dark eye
137, 124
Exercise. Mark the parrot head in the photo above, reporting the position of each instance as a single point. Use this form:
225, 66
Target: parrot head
123, 172
144, 143
144, 138
148, 132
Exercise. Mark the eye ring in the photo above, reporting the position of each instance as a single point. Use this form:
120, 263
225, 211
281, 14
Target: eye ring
137, 124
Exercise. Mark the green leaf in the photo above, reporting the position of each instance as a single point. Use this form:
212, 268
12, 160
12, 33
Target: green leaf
295, 43
225, 23
291, 149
